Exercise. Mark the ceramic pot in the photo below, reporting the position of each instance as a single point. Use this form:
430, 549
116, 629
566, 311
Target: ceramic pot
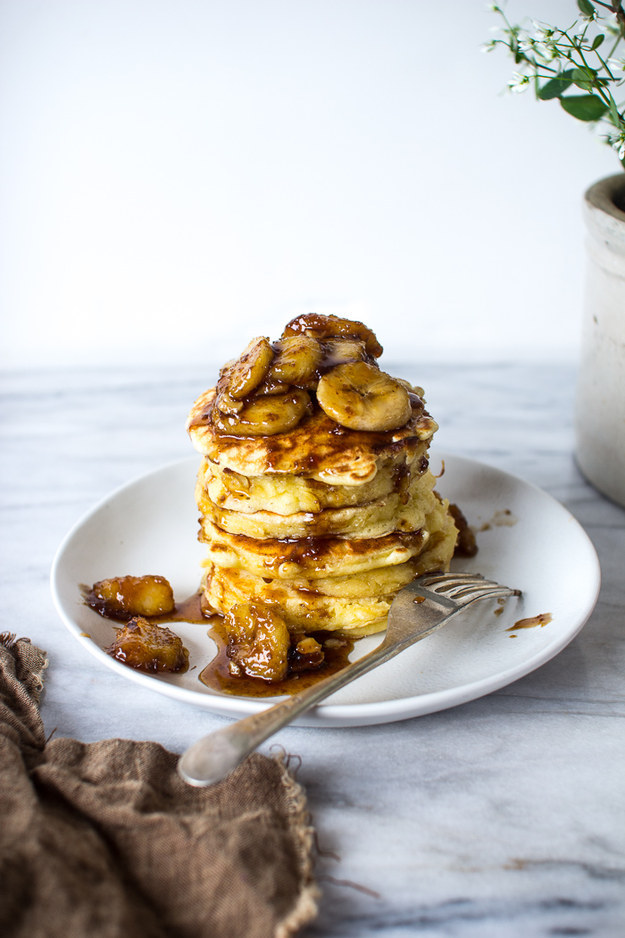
600, 404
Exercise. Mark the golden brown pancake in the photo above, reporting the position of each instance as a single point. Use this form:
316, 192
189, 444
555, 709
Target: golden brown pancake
314, 493
287, 494
310, 556
318, 447
394, 512
353, 602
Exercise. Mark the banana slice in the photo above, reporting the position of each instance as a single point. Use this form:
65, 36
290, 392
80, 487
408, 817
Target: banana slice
258, 641
227, 404
361, 397
250, 369
297, 359
265, 416
272, 387
340, 351
323, 327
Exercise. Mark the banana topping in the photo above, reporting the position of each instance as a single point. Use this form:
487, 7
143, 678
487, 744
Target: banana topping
340, 351
265, 415
360, 396
323, 327
272, 386
248, 372
296, 361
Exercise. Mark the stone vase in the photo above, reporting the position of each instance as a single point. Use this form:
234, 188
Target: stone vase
600, 403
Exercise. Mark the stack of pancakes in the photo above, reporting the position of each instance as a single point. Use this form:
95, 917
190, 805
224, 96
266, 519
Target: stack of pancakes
314, 493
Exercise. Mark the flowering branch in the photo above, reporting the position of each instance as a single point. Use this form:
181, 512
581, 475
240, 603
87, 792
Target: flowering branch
570, 64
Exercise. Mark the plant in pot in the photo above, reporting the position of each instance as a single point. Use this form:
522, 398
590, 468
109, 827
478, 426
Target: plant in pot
582, 67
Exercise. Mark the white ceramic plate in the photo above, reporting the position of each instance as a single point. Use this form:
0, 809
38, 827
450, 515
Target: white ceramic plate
529, 541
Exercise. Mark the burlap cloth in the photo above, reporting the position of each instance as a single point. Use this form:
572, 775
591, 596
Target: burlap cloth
104, 840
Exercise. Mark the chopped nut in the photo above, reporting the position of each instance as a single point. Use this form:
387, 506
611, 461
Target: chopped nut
306, 654
307, 645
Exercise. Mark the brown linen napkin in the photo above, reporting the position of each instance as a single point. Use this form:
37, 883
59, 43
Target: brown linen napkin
105, 840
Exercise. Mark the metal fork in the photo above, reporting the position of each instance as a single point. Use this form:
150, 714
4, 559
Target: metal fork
419, 609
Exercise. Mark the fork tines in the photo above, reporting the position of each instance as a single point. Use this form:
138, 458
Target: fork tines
464, 586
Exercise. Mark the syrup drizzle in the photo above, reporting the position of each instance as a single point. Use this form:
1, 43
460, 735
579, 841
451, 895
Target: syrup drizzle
216, 674
532, 622
217, 677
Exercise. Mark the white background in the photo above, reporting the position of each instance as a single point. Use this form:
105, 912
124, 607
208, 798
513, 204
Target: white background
180, 175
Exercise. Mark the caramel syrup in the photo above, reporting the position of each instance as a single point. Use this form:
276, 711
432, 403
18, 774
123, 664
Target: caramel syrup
216, 675
189, 610
533, 622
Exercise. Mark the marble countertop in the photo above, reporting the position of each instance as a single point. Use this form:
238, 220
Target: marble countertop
500, 817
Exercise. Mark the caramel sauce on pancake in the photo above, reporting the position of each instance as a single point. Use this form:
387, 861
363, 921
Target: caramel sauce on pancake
316, 443
307, 551
316, 553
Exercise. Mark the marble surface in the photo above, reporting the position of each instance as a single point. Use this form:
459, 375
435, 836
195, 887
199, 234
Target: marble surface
501, 817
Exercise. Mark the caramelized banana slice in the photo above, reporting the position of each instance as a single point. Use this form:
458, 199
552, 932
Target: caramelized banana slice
340, 351
361, 397
323, 327
251, 368
258, 641
271, 386
297, 359
227, 404
266, 415
148, 647
125, 596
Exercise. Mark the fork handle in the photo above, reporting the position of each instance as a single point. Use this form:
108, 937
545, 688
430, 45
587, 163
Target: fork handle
213, 757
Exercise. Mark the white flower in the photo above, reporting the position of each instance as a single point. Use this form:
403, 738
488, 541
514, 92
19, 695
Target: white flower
542, 44
618, 143
518, 82
545, 51
611, 24
525, 43
617, 64
542, 33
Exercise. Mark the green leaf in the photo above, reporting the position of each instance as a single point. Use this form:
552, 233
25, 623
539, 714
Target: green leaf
585, 107
615, 117
556, 87
597, 42
586, 8
584, 78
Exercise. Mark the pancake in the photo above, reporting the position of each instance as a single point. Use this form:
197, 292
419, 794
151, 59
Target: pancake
302, 612
378, 581
288, 494
395, 512
318, 447
312, 588
314, 492
350, 603
310, 557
